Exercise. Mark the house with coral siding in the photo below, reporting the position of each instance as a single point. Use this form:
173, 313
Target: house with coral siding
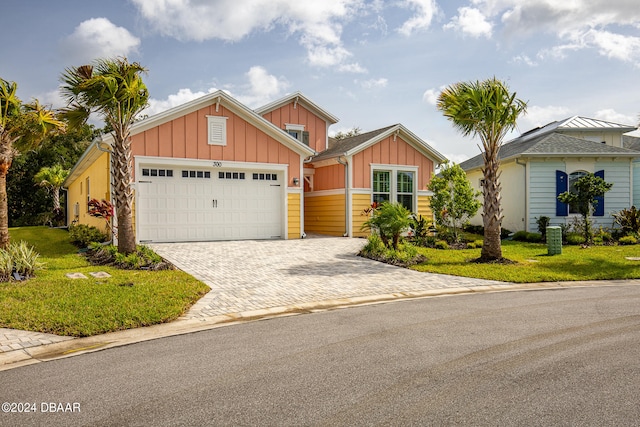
213, 169
544, 162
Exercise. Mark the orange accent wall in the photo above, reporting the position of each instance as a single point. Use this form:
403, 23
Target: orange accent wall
328, 178
313, 124
389, 152
186, 137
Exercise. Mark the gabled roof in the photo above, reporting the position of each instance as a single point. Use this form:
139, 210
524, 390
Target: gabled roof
218, 98
551, 144
355, 144
299, 98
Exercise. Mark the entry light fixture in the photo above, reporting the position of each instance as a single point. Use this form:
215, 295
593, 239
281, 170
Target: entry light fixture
296, 181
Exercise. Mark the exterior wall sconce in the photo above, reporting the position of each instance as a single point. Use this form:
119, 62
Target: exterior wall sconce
296, 181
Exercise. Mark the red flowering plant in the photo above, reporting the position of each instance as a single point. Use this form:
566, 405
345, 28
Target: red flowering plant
102, 209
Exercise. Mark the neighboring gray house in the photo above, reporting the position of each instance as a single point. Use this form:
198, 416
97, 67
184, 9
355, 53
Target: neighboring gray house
544, 162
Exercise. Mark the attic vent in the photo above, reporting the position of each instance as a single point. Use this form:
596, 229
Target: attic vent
217, 127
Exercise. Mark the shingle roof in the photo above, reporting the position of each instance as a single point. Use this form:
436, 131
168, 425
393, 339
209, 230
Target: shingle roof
347, 144
550, 143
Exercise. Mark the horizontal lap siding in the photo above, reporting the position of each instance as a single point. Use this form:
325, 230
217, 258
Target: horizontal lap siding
542, 192
616, 199
293, 200
324, 214
636, 183
359, 202
424, 207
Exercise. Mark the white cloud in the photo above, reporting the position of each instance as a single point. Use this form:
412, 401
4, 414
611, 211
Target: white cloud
98, 38
352, 68
430, 96
539, 116
181, 97
472, 22
262, 88
374, 83
318, 23
425, 10
524, 59
609, 26
610, 115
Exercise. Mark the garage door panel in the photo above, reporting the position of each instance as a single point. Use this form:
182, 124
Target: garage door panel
189, 209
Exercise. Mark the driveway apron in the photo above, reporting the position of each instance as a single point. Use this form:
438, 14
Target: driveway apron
253, 275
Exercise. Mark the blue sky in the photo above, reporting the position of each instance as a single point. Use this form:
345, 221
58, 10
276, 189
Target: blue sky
372, 63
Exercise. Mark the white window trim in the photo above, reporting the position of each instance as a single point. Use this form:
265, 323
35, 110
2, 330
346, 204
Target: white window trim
394, 169
294, 127
222, 123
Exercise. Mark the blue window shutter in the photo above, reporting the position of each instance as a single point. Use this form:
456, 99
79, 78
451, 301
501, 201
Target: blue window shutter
600, 199
562, 185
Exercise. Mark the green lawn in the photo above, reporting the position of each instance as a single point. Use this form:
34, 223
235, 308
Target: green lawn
534, 265
55, 304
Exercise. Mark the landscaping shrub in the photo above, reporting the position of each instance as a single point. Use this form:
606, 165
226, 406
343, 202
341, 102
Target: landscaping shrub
441, 244
471, 245
389, 220
143, 259
18, 258
543, 222
404, 256
82, 235
628, 240
575, 238
478, 243
628, 220
520, 236
534, 237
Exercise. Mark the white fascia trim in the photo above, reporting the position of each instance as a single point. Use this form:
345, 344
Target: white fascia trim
427, 193
213, 163
361, 191
292, 126
301, 99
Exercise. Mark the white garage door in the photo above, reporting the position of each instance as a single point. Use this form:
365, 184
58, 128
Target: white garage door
191, 204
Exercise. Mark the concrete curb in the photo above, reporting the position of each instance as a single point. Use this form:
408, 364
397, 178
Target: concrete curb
64, 349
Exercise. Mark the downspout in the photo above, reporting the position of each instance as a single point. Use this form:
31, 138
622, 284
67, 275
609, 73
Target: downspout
526, 196
346, 193
114, 218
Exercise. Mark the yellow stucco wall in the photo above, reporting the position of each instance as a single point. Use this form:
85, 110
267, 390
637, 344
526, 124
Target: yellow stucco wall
293, 215
324, 214
98, 176
359, 202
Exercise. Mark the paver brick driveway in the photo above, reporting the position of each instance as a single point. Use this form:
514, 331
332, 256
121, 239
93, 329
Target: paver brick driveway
252, 275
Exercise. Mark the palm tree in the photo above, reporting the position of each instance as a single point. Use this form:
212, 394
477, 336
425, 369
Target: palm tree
112, 88
52, 178
488, 110
22, 126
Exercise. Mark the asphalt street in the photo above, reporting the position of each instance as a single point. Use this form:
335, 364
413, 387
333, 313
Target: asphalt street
549, 357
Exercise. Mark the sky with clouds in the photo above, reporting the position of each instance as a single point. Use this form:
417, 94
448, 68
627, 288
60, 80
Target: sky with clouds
371, 63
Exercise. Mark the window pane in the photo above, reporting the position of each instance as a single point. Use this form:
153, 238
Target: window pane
405, 182
406, 200
381, 181
573, 177
379, 198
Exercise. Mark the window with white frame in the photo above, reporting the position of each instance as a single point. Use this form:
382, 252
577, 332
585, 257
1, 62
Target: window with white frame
298, 132
217, 129
394, 185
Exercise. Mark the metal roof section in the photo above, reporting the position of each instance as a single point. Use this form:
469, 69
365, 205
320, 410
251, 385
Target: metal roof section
586, 123
298, 97
357, 143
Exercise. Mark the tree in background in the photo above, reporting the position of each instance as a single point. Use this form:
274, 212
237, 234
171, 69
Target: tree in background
584, 199
454, 201
348, 134
32, 206
52, 179
22, 126
112, 88
486, 109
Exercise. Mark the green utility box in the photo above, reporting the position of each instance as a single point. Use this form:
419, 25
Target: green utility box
554, 240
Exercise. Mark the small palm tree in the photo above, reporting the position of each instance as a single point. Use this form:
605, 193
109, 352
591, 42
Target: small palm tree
52, 178
22, 126
488, 110
112, 88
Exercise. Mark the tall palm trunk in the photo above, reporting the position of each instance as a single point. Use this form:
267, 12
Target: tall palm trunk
56, 198
122, 171
492, 212
4, 207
